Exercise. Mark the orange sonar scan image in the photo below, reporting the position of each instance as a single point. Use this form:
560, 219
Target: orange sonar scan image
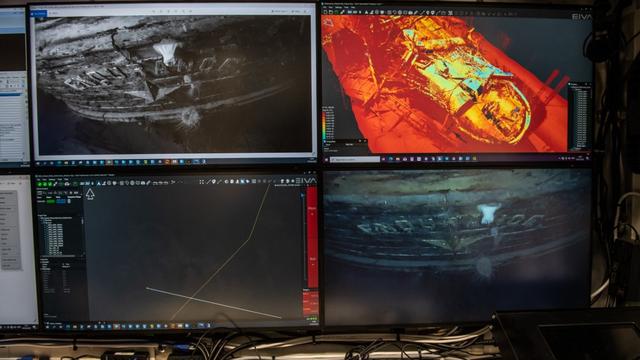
435, 84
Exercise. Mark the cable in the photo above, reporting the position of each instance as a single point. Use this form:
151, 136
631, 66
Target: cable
220, 346
373, 343
596, 293
199, 347
602, 215
63, 346
337, 338
363, 345
627, 42
633, 228
452, 331
617, 216
202, 347
79, 357
380, 355
220, 349
236, 332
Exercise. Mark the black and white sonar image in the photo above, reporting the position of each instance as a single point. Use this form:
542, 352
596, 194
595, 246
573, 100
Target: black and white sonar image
173, 84
429, 246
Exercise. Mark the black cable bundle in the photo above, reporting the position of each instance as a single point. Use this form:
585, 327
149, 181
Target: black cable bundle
632, 144
608, 44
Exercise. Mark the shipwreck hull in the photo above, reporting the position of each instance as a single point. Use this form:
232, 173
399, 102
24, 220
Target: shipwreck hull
168, 68
452, 221
426, 84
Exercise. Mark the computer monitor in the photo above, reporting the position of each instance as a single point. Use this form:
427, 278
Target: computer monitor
173, 83
455, 83
19, 310
14, 123
444, 246
178, 251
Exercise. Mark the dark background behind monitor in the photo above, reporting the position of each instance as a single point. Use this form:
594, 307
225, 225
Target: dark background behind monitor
409, 246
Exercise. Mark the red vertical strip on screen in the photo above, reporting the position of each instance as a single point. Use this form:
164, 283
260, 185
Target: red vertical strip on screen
312, 237
310, 303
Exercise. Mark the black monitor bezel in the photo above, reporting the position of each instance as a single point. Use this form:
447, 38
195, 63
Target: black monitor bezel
425, 325
26, 328
328, 166
167, 173
24, 169
319, 167
7, 168
463, 5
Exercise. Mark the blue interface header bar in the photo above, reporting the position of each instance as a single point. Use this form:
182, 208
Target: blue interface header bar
38, 13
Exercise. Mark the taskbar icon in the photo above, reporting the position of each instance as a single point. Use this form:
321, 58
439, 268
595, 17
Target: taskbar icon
121, 162
128, 326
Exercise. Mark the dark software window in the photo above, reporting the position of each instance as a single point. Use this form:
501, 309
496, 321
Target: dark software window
173, 84
404, 83
178, 251
14, 125
435, 246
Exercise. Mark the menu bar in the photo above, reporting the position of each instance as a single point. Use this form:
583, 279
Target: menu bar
577, 13
207, 180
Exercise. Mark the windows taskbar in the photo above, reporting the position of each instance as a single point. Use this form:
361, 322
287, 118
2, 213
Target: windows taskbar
460, 158
167, 162
168, 326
